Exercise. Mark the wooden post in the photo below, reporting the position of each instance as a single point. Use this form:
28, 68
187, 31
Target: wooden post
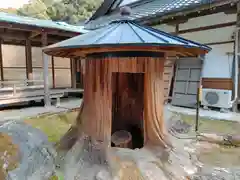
197, 110
177, 29
73, 73
1, 62
53, 73
29, 69
47, 100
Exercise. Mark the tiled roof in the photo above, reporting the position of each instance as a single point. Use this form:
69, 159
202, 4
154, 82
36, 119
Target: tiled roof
125, 33
149, 8
5, 17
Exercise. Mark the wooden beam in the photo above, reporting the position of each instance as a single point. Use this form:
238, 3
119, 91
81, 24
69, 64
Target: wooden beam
217, 83
218, 43
53, 73
47, 100
215, 26
44, 39
29, 68
30, 28
176, 30
23, 43
21, 36
177, 22
1, 61
34, 34
14, 36
230, 11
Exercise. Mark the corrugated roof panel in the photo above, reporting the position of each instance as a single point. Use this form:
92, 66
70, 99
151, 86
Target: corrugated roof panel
149, 8
5, 17
126, 2
128, 32
149, 37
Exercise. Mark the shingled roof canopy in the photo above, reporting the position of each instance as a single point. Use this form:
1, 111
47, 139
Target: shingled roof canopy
142, 10
125, 33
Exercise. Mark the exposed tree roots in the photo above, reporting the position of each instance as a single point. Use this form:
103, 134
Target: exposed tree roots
230, 140
72, 135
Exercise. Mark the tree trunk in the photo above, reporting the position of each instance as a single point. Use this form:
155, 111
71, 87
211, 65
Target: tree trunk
231, 140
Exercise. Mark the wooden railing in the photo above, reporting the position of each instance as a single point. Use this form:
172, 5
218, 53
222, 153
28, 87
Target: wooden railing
8, 86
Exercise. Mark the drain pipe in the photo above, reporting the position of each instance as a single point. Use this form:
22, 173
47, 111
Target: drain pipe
236, 66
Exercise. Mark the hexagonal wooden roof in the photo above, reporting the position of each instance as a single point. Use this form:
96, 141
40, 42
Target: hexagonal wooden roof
128, 34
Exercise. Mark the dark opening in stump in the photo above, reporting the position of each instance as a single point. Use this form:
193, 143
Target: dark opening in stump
128, 92
137, 136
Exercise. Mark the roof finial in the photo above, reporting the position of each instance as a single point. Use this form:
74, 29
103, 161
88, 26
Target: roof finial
125, 11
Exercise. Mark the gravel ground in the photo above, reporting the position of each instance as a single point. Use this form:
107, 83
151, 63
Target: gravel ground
18, 114
231, 116
72, 103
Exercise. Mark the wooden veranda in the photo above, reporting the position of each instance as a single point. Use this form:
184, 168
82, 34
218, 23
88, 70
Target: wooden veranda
29, 36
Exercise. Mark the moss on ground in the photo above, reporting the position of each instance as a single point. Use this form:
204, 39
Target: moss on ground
207, 125
220, 156
9, 155
54, 126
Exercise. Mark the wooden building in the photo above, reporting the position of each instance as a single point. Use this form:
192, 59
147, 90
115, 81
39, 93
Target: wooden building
212, 23
21, 59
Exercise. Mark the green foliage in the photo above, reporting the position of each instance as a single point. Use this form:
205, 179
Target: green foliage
70, 11
8, 10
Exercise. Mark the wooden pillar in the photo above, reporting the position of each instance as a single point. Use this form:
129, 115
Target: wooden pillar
82, 70
177, 29
1, 62
238, 27
73, 73
47, 100
153, 103
29, 69
53, 73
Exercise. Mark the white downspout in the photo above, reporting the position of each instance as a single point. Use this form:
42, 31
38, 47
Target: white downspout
236, 66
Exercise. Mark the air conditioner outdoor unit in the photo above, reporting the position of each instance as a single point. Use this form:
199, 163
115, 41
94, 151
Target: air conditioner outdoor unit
217, 98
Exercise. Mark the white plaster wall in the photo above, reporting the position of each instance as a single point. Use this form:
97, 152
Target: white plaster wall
13, 56
208, 20
14, 63
38, 75
14, 66
37, 60
61, 62
165, 28
218, 62
211, 36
